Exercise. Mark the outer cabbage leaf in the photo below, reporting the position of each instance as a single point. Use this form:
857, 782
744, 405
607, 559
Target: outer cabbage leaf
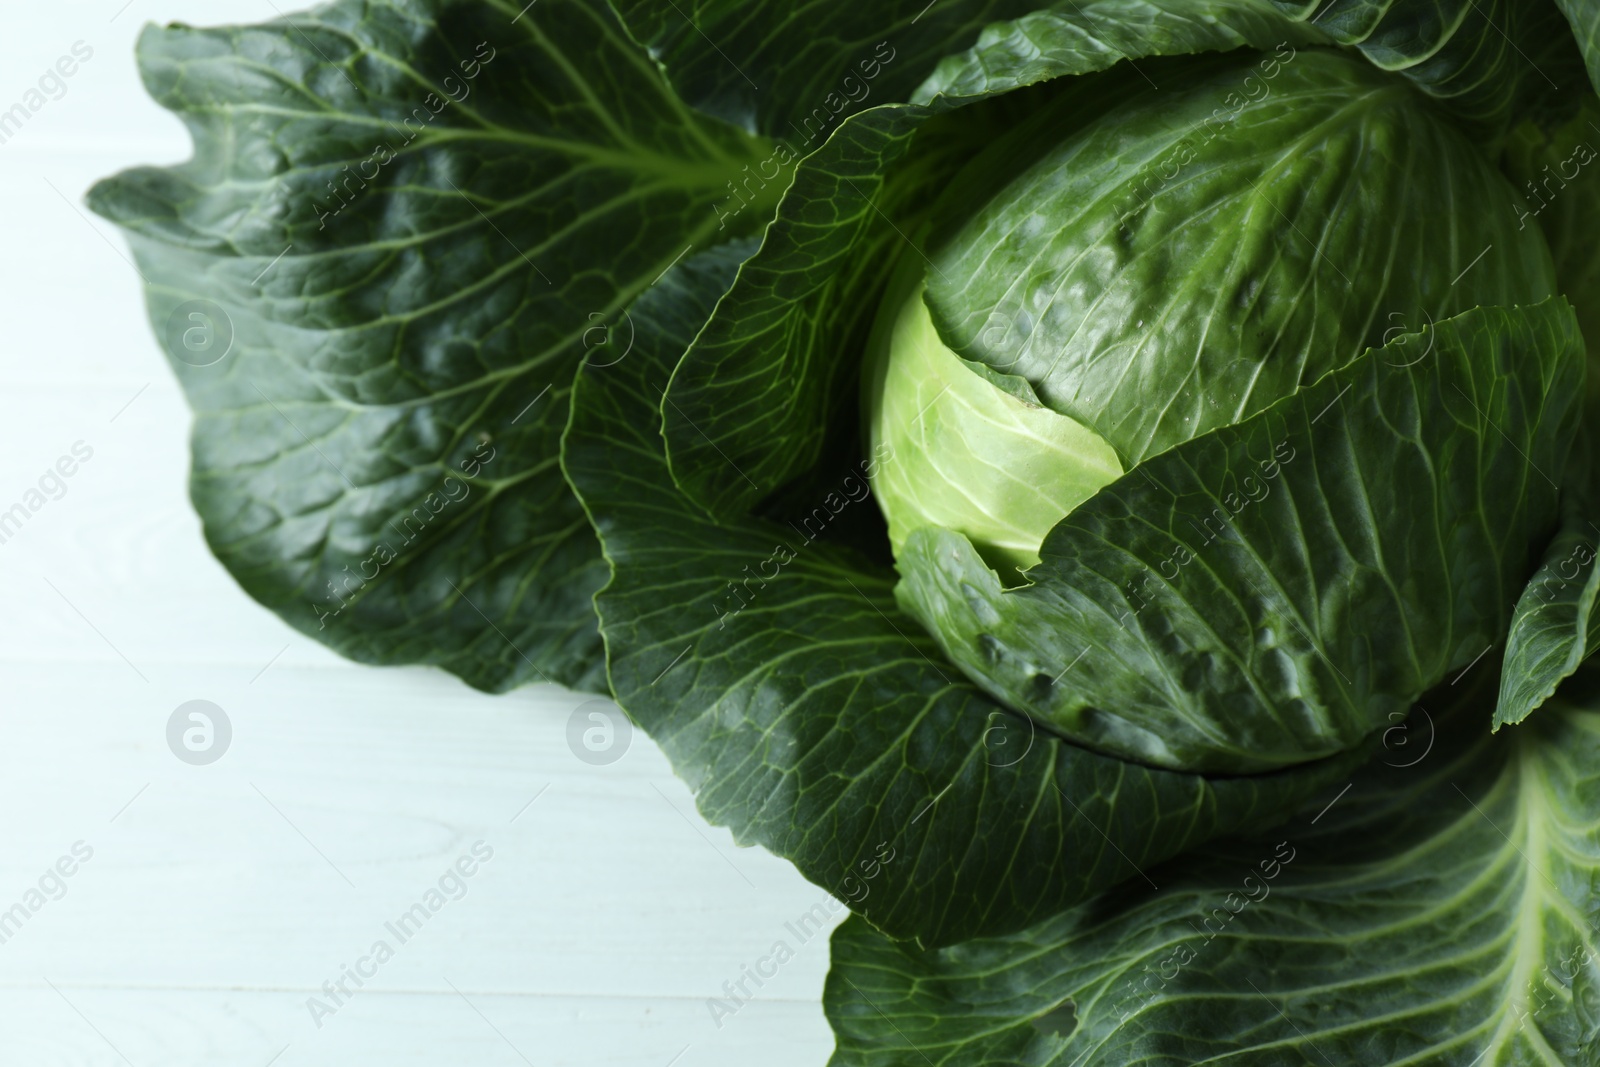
1442, 911
407, 220
812, 717
1276, 590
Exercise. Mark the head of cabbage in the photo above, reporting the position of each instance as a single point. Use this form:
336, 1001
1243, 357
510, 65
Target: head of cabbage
1182, 414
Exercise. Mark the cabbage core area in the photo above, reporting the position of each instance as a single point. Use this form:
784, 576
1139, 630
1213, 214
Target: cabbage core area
967, 455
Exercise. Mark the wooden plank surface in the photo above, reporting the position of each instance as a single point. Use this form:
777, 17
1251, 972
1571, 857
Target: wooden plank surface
217, 900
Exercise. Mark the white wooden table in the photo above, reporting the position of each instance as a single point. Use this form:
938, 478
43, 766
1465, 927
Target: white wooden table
219, 898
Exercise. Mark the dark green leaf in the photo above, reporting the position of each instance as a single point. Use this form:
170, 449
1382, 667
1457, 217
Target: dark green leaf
411, 219
747, 407
1440, 912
